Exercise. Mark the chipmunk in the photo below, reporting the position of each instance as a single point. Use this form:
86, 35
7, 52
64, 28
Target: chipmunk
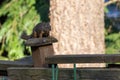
39, 31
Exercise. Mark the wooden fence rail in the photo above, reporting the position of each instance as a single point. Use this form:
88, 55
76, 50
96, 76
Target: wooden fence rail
84, 58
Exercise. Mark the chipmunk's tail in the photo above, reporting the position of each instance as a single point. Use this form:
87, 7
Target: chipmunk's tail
25, 36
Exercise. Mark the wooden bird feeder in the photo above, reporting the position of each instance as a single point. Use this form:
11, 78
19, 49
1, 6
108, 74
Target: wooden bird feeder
41, 48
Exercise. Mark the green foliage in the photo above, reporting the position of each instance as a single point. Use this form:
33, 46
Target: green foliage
112, 33
113, 43
19, 15
3, 58
42, 8
106, 10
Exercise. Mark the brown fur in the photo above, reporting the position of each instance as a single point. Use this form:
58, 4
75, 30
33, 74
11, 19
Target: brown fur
39, 31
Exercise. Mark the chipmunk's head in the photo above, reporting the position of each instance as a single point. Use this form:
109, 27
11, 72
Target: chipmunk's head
44, 26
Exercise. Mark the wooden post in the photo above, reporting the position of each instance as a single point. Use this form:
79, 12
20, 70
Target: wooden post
41, 48
39, 53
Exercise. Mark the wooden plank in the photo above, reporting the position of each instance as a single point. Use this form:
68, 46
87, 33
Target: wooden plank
40, 41
39, 54
64, 74
24, 62
85, 58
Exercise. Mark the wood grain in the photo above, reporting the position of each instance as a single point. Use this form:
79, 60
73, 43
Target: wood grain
40, 41
85, 58
64, 74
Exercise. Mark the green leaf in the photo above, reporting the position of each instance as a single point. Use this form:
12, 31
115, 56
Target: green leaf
3, 58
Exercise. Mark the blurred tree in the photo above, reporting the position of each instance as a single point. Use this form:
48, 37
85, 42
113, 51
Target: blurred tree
112, 27
79, 27
15, 17
42, 7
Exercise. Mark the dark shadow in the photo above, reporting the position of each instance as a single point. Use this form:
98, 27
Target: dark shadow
42, 7
3, 73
